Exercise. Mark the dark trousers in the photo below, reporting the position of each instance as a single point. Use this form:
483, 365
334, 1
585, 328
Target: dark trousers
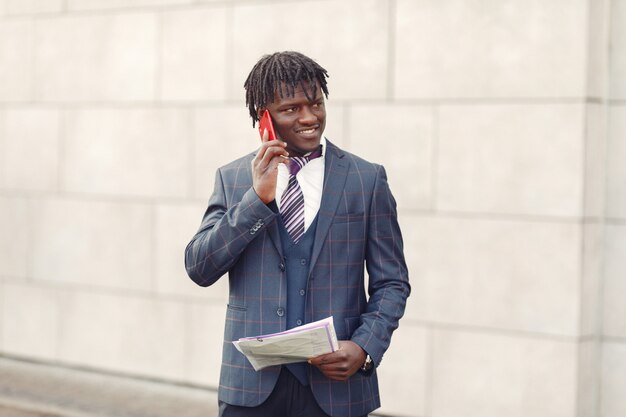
288, 399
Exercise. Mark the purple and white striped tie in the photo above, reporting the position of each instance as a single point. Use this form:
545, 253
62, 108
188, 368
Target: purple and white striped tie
292, 201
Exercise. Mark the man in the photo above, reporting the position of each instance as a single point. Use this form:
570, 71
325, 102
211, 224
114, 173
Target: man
295, 224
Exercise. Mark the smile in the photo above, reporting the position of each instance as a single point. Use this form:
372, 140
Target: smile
307, 131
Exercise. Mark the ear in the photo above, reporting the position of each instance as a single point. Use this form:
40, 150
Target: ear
260, 111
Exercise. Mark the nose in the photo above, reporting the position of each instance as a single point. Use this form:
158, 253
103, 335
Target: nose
307, 116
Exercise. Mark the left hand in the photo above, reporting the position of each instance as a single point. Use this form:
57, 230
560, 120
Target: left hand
341, 364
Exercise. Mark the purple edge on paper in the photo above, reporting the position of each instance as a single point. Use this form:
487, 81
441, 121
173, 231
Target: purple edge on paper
330, 341
295, 330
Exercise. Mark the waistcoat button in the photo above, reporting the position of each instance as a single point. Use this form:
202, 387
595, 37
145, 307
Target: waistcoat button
280, 312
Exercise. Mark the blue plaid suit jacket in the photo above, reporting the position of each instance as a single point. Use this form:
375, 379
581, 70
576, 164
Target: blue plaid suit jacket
357, 229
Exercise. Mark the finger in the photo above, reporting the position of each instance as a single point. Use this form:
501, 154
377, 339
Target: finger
273, 152
324, 359
338, 376
269, 150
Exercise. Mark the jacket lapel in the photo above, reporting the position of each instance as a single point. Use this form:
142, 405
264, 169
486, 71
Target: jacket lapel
335, 175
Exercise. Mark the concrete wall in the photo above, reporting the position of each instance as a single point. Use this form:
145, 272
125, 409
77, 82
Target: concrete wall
494, 119
613, 354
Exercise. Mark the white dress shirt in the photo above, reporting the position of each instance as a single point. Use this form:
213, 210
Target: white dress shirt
311, 180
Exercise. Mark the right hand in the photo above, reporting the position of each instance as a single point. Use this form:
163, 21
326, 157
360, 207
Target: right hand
265, 167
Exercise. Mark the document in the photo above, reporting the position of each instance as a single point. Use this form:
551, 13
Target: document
294, 345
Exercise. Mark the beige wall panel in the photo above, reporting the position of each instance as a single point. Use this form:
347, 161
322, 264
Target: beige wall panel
404, 372
16, 60
117, 4
222, 134
616, 171
193, 64
615, 282
595, 161
618, 49
32, 6
598, 50
111, 57
525, 159
337, 125
494, 273
400, 138
122, 333
175, 226
491, 375
30, 321
592, 277
613, 382
132, 152
205, 327
31, 148
353, 50
494, 48
588, 378
16, 219
93, 243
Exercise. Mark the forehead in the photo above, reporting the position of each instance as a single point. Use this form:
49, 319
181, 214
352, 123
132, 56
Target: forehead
299, 93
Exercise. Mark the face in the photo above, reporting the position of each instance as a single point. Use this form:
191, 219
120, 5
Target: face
299, 121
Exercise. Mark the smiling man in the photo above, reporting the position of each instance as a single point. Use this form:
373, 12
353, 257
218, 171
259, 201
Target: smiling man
295, 225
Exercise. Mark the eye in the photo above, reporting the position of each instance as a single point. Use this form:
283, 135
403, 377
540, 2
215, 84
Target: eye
290, 109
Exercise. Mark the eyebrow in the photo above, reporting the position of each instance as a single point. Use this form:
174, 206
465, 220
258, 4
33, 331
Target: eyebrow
294, 100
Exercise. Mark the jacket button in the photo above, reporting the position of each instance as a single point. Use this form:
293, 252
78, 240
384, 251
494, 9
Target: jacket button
302, 292
281, 266
299, 322
280, 312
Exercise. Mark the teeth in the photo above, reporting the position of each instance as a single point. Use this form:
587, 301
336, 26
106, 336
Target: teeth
307, 131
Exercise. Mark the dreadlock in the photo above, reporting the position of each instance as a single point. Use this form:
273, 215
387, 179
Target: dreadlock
279, 71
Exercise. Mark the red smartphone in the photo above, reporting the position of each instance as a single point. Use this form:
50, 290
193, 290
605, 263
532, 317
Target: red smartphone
266, 124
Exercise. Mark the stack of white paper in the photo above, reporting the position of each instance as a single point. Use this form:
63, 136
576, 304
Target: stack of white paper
295, 345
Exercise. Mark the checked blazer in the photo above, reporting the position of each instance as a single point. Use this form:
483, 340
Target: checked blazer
357, 229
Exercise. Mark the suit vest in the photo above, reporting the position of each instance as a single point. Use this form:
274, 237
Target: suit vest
297, 259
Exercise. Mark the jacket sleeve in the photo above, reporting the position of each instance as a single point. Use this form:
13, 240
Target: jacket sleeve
226, 230
388, 275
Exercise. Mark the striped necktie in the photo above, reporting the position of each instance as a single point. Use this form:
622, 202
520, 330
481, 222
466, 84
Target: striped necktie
292, 201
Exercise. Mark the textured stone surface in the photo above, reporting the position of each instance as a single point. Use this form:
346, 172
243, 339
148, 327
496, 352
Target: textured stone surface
495, 375
97, 57
524, 159
614, 282
193, 65
613, 379
16, 68
353, 50
500, 274
38, 390
478, 48
114, 249
616, 170
403, 144
31, 149
135, 152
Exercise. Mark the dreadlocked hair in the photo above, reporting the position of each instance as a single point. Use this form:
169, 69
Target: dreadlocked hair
279, 71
